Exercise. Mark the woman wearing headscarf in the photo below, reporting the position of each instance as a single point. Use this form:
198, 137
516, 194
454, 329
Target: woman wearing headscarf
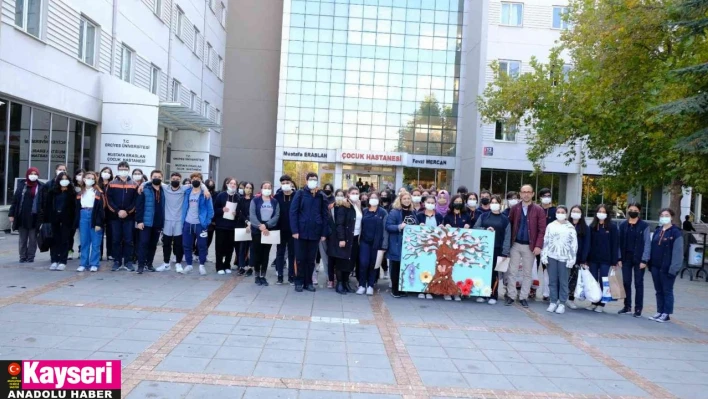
24, 214
443, 202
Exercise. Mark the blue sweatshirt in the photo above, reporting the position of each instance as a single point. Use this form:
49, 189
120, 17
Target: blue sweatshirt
604, 245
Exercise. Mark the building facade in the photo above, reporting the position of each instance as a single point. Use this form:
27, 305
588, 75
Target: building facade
91, 83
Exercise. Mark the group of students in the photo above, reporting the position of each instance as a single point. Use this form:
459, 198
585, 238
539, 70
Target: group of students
347, 229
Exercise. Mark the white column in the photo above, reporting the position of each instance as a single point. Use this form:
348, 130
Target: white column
573, 189
686, 202
697, 209
338, 176
399, 177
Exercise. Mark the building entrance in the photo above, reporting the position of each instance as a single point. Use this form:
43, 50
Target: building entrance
368, 178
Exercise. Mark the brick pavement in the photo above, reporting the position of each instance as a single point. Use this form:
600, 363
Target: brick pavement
197, 336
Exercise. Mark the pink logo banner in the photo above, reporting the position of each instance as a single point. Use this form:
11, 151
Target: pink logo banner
71, 374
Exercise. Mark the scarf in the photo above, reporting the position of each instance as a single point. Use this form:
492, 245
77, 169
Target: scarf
443, 209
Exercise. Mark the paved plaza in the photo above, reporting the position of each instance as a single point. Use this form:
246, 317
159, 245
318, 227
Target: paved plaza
188, 336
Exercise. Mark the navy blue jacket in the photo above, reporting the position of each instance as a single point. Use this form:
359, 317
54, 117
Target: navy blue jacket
550, 214
395, 236
439, 219
479, 211
581, 256
219, 204
380, 236
122, 196
604, 245
641, 244
458, 221
308, 214
667, 250
146, 210
284, 222
98, 214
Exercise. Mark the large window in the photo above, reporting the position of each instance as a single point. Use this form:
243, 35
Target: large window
502, 181
126, 64
512, 14
28, 16
510, 68
558, 15
298, 170
504, 131
378, 76
87, 41
427, 178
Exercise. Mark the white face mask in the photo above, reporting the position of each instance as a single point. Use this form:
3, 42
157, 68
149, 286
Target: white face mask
33, 177
137, 177
472, 203
240, 191
339, 199
416, 199
575, 215
59, 171
665, 220
64, 183
312, 184
602, 216
89, 182
230, 190
430, 207
494, 207
105, 175
266, 192
561, 217
286, 187
374, 202
354, 197
123, 173
546, 200
513, 202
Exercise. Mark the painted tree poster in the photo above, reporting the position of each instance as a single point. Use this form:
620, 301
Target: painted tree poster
446, 261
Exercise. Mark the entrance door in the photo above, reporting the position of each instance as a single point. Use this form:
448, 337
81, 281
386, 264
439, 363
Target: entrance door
371, 177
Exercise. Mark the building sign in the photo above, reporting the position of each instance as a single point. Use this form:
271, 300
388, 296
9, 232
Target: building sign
138, 151
371, 157
190, 161
307, 154
430, 161
488, 151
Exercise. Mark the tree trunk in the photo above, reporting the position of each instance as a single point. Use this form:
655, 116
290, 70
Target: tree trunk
676, 190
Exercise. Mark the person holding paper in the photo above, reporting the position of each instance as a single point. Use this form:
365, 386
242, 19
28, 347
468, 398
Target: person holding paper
242, 220
264, 214
496, 222
225, 206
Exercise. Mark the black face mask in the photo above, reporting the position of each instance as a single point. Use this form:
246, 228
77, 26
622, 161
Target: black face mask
458, 206
196, 183
384, 200
174, 183
328, 192
365, 204
485, 201
633, 215
156, 182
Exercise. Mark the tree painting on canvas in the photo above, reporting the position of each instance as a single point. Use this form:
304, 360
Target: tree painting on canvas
446, 261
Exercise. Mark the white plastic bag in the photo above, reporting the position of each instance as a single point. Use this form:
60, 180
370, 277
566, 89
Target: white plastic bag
579, 294
591, 288
546, 284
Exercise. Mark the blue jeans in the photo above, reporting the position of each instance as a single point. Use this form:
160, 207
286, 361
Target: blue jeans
629, 267
367, 262
289, 244
148, 245
599, 270
123, 241
664, 286
90, 241
190, 232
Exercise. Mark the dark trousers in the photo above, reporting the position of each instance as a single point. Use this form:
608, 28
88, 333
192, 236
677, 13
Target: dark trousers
123, 241
573, 283
664, 286
260, 255
59, 251
148, 245
599, 270
191, 232
210, 237
224, 248
629, 267
306, 253
395, 276
243, 251
27, 243
367, 261
168, 244
289, 245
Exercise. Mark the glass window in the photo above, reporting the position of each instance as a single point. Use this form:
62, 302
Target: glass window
28, 16
126, 65
4, 108
510, 68
512, 14
180, 23
558, 17
176, 90
505, 132
18, 154
58, 147
498, 182
73, 157
39, 147
513, 181
485, 182
193, 101
87, 41
195, 40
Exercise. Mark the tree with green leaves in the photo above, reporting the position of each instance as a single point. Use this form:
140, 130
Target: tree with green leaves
621, 54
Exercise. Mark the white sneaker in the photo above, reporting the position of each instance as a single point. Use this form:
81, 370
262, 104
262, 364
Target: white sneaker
656, 316
422, 296
361, 290
188, 268
93, 269
447, 298
80, 269
428, 296
178, 268
457, 298
163, 267
370, 291
221, 272
492, 301
571, 304
54, 267
385, 276
560, 309
227, 271
552, 307
61, 267
598, 309
202, 270
591, 307
480, 300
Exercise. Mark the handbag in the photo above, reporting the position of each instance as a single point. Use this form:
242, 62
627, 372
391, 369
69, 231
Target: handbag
502, 264
616, 284
45, 237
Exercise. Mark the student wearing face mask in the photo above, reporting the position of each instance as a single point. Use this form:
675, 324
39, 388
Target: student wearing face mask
122, 194
264, 214
665, 261
104, 178
385, 203
342, 242
78, 183
322, 257
485, 198
24, 213
471, 204
547, 205
225, 221
443, 202
172, 230
457, 215
138, 178
364, 198
90, 211
373, 238
604, 249
495, 221
560, 248
59, 210
635, 247
284, 196
582, 231
242, 221
402, 214
463, 192
417, 200
197, 212
512, 198
150, 217
431, 218
308, 223
211, 187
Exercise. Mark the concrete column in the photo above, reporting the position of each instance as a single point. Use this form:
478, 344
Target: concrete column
573, 189
686, 202
697, 208
399, 177
190, 152
338, 176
